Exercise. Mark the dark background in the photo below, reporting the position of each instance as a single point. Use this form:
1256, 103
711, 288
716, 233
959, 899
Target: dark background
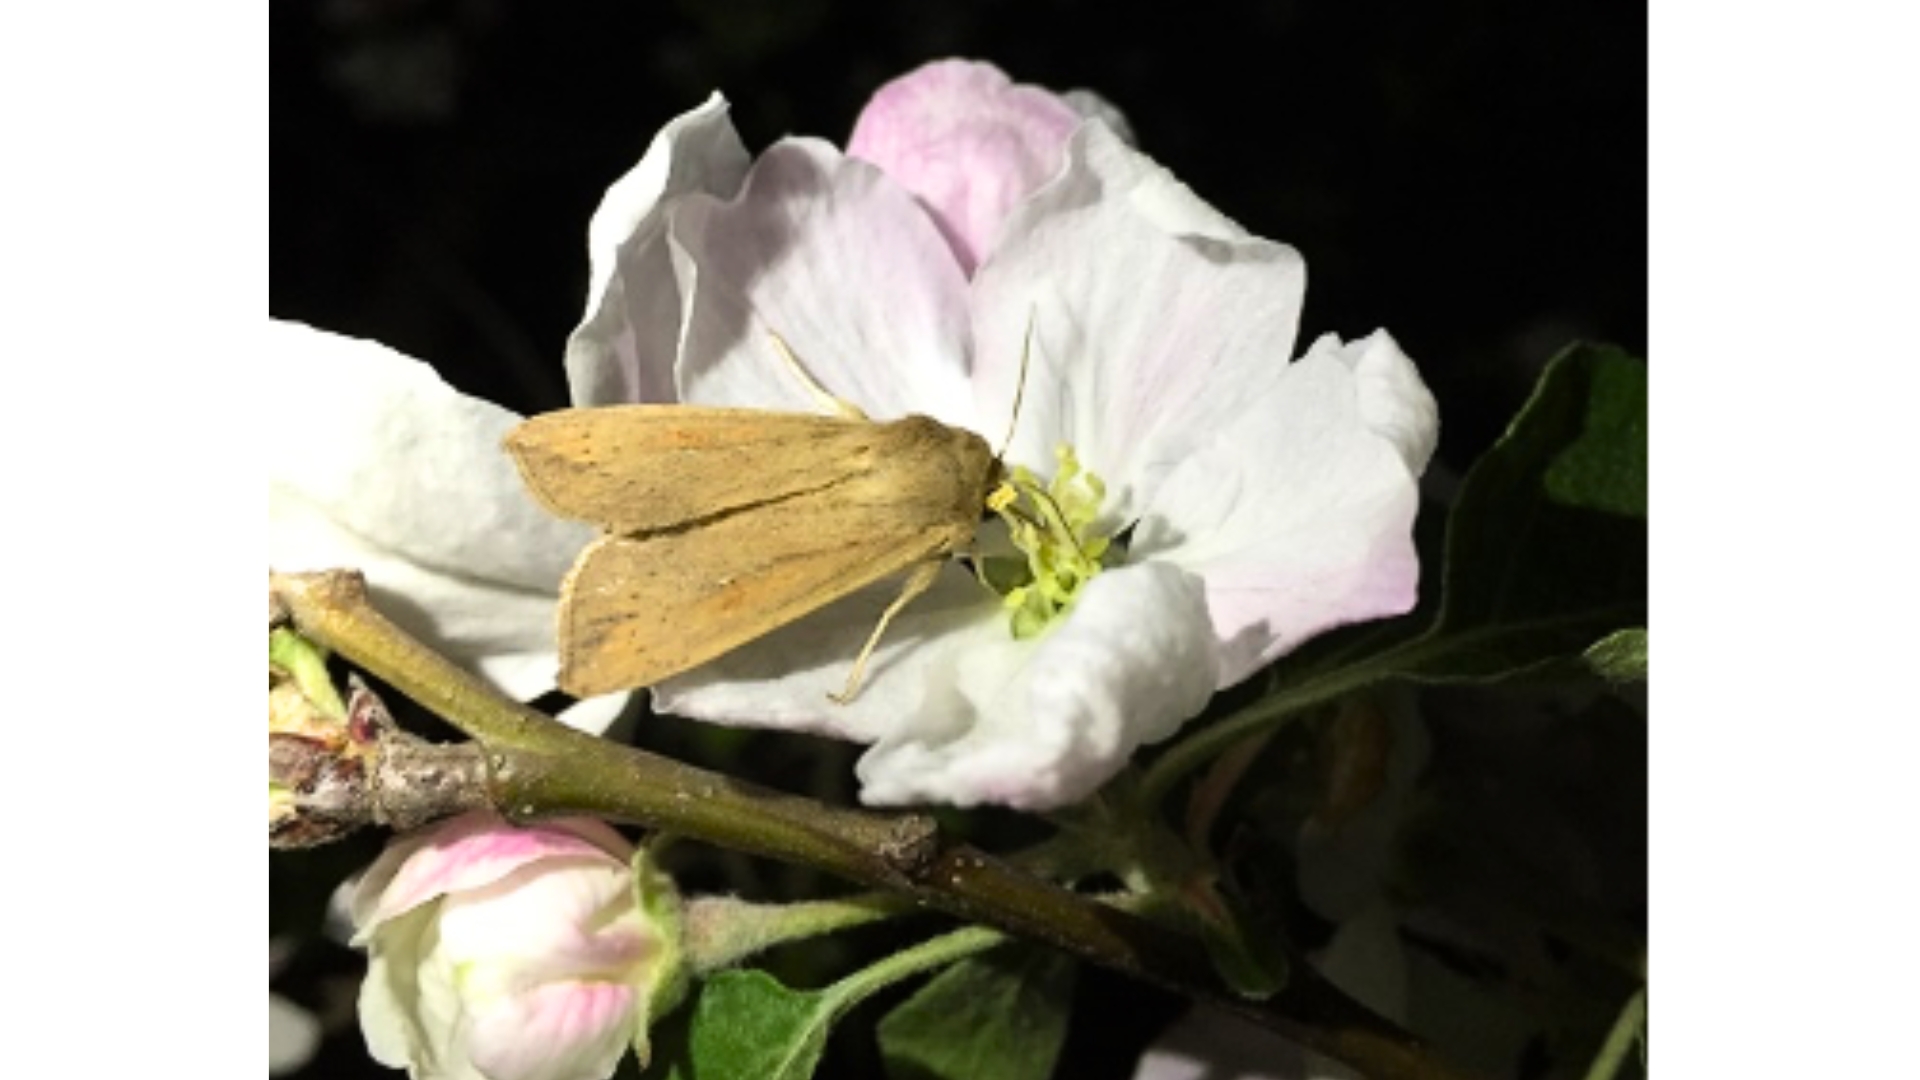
1470, 175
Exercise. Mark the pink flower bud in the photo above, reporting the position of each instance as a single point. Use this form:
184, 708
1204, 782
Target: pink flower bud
513, 953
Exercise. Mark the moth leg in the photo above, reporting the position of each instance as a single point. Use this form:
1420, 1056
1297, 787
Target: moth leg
919, 581
827, 401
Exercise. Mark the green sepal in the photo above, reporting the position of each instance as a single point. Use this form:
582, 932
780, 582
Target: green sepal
658, 899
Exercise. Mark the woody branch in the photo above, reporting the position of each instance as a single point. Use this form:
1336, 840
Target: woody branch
533, 766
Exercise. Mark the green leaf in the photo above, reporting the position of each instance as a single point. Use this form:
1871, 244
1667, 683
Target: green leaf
1605, 468
1547, 547
749, 1027
1620, 657
1001, 1015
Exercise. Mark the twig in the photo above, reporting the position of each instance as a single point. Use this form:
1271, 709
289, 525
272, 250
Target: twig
538, 766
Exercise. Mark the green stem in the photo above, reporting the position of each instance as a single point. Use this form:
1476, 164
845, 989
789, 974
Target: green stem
538, 766
1626, 1031
926, 956
723, 930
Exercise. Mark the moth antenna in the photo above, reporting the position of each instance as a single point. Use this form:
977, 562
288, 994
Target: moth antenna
919, 581
1019, 388
826, 400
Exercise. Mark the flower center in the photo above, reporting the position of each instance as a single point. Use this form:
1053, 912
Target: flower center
1052, 525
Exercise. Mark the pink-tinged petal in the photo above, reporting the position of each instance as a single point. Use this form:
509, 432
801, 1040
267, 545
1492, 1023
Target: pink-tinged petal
401, 476
557, 918
1044, 723
966, 140
842, 264
1298, 514
782, 680
1141, 351
576, 1030
624, 348
466, 852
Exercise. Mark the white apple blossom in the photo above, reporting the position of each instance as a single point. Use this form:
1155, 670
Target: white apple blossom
400, 476
511, 953
1262, 499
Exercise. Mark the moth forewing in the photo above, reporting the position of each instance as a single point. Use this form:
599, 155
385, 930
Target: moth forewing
640, 468
725, 524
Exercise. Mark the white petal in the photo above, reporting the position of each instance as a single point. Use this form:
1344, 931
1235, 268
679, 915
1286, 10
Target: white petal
595, 715
845, 266
395, 473
1298, 514
623, 350
963, 713
444, 1014
1394, 401
782, 680
1042, 724
389, 1002
1091, 106
1153, 318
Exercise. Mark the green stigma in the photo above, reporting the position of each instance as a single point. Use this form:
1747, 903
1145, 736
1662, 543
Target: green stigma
1052, 525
